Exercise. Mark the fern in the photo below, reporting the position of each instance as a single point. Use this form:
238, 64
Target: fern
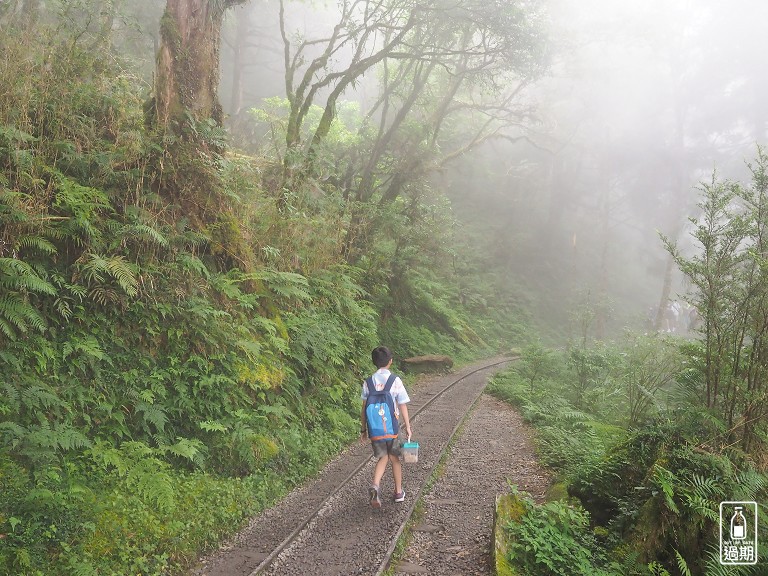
36, 398
190, 240
18, 279
213, 426
18, 275
59, 437
287, 285
17, 315
152, 416
682, 565
192, 265
34, 243
9, 397
665, 480
141, 233
749, 484
82, 207
143, 473
88, 346
656, 569
97, 271
189, 449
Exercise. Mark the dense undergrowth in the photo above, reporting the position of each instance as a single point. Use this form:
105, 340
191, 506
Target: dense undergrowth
637, 488
163, 379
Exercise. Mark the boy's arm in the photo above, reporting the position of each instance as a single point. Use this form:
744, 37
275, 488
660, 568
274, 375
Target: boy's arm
363, 423
406, 420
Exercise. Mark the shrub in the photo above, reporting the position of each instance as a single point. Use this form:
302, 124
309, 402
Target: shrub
554, 539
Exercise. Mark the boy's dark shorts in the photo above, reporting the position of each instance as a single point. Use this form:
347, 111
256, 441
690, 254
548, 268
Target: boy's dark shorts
386, 447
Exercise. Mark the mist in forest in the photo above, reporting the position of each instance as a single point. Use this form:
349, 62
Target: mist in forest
639, 103
642, 103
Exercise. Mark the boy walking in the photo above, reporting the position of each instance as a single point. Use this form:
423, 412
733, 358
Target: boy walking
386, 448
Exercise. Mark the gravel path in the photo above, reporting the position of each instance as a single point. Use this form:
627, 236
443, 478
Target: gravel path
454, 535
347, 537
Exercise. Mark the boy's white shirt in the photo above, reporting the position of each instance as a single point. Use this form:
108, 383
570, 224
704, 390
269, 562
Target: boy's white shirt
398, 391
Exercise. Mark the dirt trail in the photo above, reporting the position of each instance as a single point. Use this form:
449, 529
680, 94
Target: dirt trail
454, 535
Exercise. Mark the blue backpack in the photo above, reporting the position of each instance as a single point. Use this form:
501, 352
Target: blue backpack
380, 411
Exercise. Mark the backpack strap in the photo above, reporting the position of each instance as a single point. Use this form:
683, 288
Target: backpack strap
390, 382
387, 387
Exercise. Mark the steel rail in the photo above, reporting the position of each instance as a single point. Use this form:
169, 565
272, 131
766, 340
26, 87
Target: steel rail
266, 562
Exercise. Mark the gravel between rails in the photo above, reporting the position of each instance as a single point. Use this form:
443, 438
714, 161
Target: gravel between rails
454, 534
347, 537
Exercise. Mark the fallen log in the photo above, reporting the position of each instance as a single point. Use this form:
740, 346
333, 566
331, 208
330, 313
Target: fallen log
428, 363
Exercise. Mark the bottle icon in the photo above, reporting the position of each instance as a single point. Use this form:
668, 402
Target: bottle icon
738, 525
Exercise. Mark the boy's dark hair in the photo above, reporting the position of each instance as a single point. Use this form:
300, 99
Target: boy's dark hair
381, 356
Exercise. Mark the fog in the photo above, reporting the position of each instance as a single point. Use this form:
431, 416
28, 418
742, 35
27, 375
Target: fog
647, 99
640, 102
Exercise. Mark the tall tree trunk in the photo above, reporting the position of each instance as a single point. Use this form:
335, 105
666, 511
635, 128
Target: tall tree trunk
186, 99
187, 74
601, 310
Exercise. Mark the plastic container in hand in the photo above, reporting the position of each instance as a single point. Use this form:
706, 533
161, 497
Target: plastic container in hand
410, 452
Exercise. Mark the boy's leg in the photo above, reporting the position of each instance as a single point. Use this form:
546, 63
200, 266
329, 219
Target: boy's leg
397, 472
378, 471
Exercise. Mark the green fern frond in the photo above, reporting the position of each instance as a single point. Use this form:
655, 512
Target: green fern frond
252, 348
151, 480
18, 275
193, 264
665, 480
572, 415
703, 507
7, 329
148, 234
279, 412
96, 269
10, 136
289, 285
750, 483
212, 426
682, 565
63, 308
656, 569
124, 274
87, 346
10, 401
68, 438
37, 243
190, 239
11, 206
187, 448
38, 398
18, 315
81, 567
152, 415
704, 485
104, 295
142, 471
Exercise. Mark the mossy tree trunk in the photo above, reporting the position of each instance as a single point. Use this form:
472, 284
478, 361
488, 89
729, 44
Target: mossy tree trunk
187, 73
186, 113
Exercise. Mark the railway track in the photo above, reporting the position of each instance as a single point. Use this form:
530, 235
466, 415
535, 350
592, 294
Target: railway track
326, 527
